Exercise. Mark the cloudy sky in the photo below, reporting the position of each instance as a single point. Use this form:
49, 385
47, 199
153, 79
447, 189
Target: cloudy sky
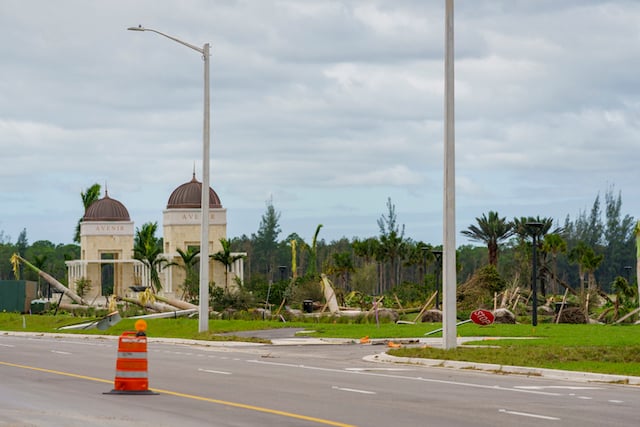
326, 107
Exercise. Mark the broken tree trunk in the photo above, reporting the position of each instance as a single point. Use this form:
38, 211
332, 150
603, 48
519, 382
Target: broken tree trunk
147, 304
176, 303
16, 259
426, 306
329, 294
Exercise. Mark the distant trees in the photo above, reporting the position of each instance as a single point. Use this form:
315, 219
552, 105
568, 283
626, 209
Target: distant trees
265, 241
392, 244
589, 252
613, 238
42, 253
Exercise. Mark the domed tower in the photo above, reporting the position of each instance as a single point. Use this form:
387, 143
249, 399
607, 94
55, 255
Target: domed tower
106, 240
181, 228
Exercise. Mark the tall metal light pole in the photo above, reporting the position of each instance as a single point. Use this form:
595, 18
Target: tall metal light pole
534, 229
203, 308
449, 229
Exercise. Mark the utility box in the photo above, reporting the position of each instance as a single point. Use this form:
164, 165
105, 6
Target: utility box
16, 295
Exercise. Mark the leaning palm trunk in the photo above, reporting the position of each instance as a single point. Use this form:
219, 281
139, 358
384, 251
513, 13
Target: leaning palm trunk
176, 303
16, 259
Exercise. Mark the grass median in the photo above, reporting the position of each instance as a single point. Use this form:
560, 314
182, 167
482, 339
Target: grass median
590, 348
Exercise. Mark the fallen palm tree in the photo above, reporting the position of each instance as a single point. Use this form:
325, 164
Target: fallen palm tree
183, 305
17, 259
151, 301
146, 300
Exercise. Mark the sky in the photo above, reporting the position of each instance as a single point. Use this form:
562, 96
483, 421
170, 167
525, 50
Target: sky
326, 108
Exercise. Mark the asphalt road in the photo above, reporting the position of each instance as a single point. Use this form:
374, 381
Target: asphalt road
47, 381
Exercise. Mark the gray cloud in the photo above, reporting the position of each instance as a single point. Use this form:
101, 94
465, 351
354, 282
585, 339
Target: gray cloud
327, 106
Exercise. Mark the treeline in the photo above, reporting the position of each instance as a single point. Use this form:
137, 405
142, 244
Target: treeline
594, 248
43, 254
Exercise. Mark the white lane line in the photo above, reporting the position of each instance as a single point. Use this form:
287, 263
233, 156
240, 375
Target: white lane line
408, 378
585, 397
526, 414
6, 345
61, 341
213, 372
353, 390
60, 352
615, 401
376, 369
561, 387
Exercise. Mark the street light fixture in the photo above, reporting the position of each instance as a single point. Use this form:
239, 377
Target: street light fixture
203, 308
534, 229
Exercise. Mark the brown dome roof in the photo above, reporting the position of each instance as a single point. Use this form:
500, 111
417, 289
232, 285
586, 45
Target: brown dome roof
189, 194
106, 209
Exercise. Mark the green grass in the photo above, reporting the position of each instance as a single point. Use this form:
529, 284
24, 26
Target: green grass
591, 348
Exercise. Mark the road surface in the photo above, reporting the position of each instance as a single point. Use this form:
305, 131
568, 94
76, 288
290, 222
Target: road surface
60, 381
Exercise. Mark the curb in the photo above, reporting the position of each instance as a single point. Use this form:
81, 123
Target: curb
184, 341
556, 374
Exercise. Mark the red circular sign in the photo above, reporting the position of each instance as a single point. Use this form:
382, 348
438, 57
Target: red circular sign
482, 317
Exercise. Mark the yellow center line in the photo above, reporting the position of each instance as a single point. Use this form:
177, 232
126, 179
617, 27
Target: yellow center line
194, 397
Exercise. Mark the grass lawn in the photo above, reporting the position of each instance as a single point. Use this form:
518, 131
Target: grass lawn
592, 348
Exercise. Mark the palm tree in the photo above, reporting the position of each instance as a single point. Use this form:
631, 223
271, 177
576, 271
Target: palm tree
521, 228
554, 244
313, 267
226, 258
591, 262
576, 256
625, 294
366, 249
588, 262
189, 261
88, 197
39, 261
148, 249
491, 230
419, 254
342, 266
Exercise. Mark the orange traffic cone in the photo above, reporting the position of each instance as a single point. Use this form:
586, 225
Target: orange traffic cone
131, 366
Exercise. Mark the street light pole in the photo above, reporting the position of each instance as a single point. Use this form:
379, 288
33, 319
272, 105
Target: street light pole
449, 304
534, 228
203, 308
